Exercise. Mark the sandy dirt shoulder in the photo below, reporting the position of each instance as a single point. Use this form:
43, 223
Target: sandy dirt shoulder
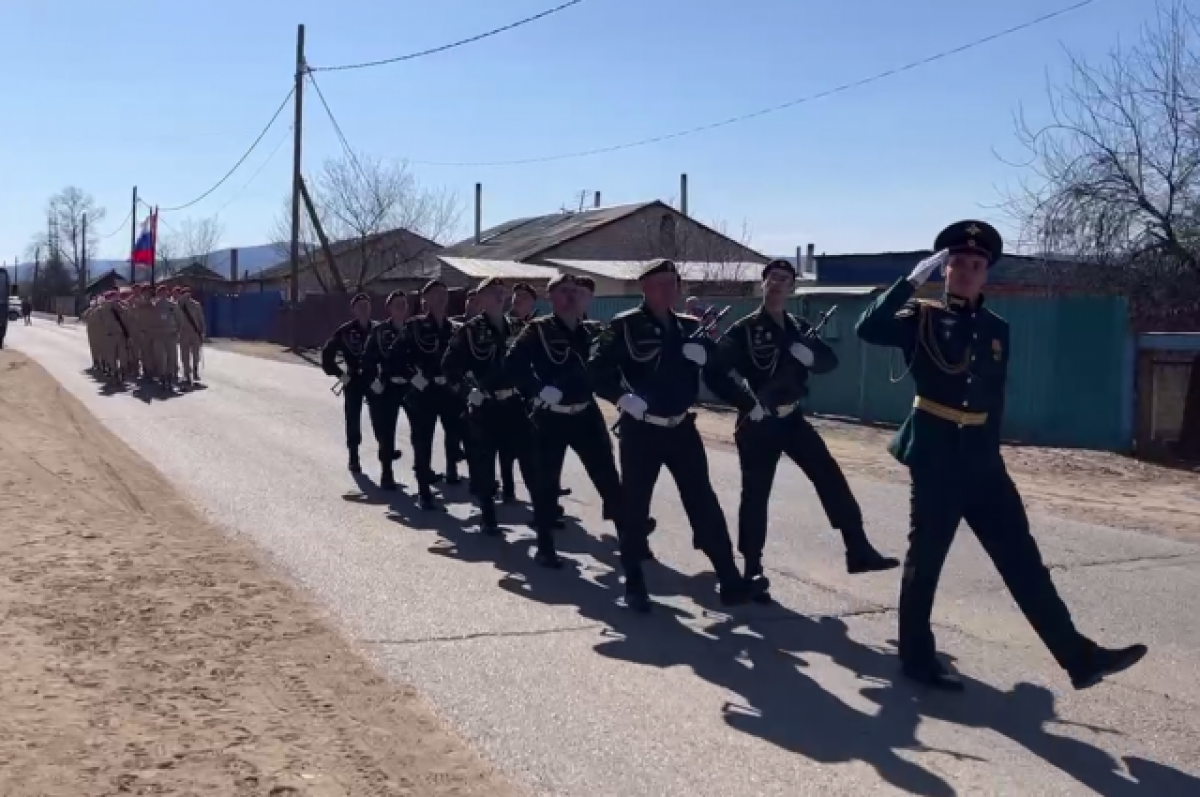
1089, 486
144, 652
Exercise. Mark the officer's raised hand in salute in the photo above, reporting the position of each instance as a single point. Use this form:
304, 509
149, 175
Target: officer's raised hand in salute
647, 362
774, 352
350, 341
958, 353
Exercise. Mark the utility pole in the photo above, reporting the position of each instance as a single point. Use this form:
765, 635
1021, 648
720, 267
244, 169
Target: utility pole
83, 262
132, 233
37, 262
298, 141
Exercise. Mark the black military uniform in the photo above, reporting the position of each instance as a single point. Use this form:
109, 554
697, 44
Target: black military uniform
387, 364
646, 357
765, 352
548, 364
432, 399
958, 353
508, 491
497, 423
350, 341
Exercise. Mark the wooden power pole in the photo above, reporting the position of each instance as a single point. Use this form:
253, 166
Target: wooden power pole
297, 144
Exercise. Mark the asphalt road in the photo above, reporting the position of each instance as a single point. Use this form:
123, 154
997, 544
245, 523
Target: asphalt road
571, 695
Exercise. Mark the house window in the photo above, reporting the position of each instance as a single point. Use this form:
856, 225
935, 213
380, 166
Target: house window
666, 235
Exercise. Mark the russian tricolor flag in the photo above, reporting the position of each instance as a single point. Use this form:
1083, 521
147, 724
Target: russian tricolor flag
143, 248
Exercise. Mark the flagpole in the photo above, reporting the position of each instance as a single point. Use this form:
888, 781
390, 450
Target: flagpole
153, 242
133, 236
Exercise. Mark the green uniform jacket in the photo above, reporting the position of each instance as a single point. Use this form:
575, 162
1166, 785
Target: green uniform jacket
958, 358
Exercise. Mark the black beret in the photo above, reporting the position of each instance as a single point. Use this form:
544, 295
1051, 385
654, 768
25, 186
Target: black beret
393, 296
977, 237
782, 265
523, 287
432, 284
559, 279
360, 297
660, 266
489, 282
586, 282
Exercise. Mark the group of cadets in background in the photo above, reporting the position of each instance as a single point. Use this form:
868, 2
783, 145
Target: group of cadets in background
146, 333
513, 388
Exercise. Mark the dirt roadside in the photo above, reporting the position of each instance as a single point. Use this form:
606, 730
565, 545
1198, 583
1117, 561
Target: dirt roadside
1089, 486
144, 652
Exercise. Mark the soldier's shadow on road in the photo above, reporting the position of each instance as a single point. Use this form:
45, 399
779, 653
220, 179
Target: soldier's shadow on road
765, 655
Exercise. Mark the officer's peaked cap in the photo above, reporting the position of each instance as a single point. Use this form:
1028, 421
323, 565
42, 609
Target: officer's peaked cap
659, 266
976, 237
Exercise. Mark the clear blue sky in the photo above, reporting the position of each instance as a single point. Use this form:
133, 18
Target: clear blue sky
167, 95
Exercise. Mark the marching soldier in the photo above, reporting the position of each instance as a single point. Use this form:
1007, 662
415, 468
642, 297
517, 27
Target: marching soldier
958, 353
774, 352
496, 417
88, 317
141, 323
350, 341
520, 314
647, 362
548, 363
470, 308
114, 331
165, 338
428, 336
191, 336
387, 365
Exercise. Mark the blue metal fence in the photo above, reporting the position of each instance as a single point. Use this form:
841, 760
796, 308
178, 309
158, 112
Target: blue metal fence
249, 316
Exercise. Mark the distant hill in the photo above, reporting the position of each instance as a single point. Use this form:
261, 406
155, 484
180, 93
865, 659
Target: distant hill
251, 260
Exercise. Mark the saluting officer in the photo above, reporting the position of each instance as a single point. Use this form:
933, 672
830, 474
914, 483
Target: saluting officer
548, 363
774, 352
958, 353
350, 342
428, 336
387, 365
647, 362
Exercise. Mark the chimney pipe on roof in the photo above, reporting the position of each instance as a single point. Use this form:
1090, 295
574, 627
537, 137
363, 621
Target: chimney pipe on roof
811, 260
683, 197
478, 212
596, 201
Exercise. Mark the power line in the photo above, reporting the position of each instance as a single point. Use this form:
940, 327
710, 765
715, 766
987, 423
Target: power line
845, 87
443, 48
257, 172
120, 227
240, 161
337, 129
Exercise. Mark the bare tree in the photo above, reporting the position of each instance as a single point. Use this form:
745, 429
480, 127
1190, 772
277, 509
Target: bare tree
1113, 180
199, 238
377, 216
167, 252
720, 263
68, 209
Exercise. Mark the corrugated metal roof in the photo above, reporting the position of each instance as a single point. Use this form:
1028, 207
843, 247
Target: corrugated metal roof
521, 239
511, 269
627, 270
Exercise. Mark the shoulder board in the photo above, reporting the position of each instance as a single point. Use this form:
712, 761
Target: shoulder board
937, 304
627, 314
345, 326
687, 317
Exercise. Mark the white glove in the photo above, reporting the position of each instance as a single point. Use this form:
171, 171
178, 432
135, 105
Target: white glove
803, 354
550, 395
927, 266
757, 414
696, 353
377, 387
633, 406
419, 382
344, 379
475, 397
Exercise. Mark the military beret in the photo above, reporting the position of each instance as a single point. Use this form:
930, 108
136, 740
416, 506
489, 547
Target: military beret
360, 297
586, 282
526, 288
164, 289
660, 266
977, 237
781, 265
393, 296
489, 282
560, 279
435, 283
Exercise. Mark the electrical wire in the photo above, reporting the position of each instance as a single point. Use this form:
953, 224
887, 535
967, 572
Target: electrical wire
845, 87
337, 129
240, 161
257, 172
120, 227
444, 47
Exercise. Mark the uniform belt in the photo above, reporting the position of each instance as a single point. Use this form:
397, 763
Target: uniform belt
960, 417
664, 421
567, 409
506, 393
784, 410
439, 380
398, 380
